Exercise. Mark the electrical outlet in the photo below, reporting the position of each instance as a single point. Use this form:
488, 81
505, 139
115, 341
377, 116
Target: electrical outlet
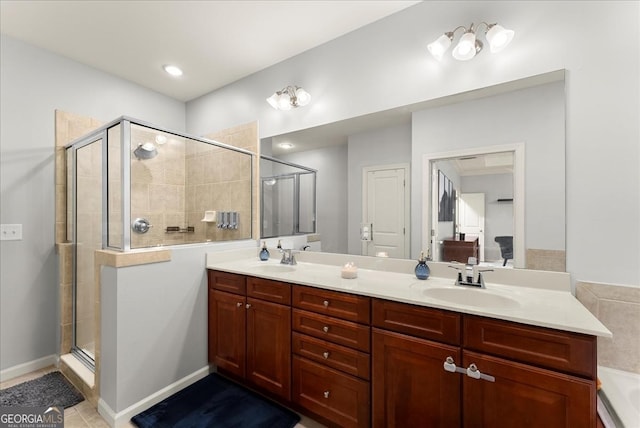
11, 232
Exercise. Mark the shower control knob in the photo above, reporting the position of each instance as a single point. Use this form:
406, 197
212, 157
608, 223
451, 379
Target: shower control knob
141, 225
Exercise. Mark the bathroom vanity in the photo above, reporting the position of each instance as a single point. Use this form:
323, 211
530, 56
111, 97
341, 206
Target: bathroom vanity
382, 351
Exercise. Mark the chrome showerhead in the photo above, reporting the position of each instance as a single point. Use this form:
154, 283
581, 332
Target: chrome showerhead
145, 151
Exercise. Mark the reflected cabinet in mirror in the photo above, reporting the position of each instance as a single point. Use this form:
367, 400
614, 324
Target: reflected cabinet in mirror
486, 176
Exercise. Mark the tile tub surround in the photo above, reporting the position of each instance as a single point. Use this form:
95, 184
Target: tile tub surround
542, 298
618, 308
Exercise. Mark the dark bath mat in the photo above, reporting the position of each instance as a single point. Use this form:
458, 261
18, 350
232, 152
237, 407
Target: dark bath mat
217, 403
50, 390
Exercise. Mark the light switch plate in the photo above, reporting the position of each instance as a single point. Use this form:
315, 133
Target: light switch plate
10, 232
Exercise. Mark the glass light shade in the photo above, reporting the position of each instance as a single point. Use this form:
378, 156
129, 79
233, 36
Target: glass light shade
466, 47
302, 97
439, 47
284, 101
499, 37
273, 101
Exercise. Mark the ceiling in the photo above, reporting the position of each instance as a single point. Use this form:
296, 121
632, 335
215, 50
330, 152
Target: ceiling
214, 42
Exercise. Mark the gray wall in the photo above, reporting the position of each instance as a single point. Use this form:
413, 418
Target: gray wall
331, 193
34, 84
154, 325
386, 65
381, 147
533, 116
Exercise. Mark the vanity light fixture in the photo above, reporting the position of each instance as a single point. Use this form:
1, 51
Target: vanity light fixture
172, 70
468, 45
291, 96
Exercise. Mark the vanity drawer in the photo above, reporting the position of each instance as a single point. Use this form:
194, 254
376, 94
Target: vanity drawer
266, 289
335, 330
348, 360
231, 282
426, 323
343, 399
342, 305
560, 350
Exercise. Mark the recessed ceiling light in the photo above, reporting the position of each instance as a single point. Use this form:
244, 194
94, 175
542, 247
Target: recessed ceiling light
286, 146
172, 70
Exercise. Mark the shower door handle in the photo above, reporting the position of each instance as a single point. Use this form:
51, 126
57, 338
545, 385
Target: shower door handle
141, 225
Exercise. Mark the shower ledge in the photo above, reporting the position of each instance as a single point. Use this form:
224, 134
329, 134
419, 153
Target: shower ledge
83, 372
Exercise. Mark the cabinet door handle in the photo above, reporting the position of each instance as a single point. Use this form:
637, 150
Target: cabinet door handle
473, 372
238, 304
325, 329
326, 394
326, 303
248, 305
450, 366
325, 354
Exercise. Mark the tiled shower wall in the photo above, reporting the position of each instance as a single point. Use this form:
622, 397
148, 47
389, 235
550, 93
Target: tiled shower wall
618, 308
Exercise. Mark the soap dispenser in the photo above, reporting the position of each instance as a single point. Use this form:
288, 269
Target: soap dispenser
264, 253
422, 270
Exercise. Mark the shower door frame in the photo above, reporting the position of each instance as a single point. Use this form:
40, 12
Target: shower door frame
100, 135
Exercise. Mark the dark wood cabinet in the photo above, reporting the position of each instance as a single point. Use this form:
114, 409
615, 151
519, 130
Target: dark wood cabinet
455, 250
331, 365
353, 361
250, 338
525, 396
410, 387
533, 376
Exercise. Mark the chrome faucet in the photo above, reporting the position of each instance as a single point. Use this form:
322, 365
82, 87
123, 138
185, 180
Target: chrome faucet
288, 257
468, 280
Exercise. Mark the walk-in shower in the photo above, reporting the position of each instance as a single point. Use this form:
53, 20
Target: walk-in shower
288, 198
132, 185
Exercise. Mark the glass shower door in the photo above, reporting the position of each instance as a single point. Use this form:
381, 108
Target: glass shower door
86, 229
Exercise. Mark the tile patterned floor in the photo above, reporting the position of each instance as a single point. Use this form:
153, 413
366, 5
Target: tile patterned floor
84, 415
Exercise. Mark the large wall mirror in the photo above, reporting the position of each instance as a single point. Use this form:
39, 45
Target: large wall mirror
503, 144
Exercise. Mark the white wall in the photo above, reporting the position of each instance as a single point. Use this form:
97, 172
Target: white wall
34, 83
386, 64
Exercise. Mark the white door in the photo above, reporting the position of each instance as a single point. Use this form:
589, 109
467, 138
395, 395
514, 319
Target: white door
471, 218
386, 209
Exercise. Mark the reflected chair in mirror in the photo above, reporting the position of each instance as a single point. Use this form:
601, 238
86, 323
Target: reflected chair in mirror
506, 247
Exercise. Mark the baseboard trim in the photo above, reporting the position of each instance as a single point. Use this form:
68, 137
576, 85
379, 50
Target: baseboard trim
121, 418
28, 367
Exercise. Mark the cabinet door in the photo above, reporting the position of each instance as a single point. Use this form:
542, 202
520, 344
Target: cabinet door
269, 347
227, 331
525, 396
410, 386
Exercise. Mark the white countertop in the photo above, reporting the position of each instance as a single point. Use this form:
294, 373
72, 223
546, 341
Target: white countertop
539, 306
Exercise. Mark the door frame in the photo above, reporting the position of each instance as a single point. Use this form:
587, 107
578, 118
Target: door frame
407, 201
428, 188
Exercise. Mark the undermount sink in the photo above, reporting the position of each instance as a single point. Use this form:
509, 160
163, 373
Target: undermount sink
276, 268
471, 297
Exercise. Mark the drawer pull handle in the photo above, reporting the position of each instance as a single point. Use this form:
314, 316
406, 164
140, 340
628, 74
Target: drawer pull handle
238, 304
473, 372
325, 354
326, 394
326, 303
325, 329
248, 305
